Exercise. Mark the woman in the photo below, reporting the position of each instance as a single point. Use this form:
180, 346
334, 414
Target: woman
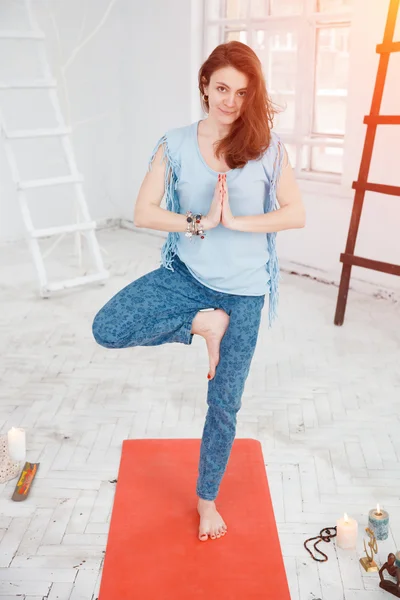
222, 178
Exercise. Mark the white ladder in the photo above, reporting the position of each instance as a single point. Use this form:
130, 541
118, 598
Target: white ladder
84, 225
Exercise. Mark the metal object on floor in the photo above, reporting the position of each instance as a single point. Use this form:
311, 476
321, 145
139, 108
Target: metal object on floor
367, 561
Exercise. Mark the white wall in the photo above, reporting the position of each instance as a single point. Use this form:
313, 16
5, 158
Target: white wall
138, 77
156, 90
126, 86
90, 91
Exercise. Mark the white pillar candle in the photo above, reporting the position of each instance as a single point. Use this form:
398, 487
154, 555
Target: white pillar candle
16, 444
347, 530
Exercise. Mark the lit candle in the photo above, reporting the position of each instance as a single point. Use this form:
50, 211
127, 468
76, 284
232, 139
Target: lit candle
16, 444
378, 521
346, 532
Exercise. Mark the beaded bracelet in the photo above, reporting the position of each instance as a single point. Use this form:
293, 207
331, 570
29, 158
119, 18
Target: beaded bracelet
194, 225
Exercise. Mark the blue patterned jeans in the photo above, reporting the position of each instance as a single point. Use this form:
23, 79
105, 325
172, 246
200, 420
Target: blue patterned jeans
159, 308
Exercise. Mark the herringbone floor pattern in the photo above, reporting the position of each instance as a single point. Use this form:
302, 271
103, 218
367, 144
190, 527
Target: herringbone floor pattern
323, 400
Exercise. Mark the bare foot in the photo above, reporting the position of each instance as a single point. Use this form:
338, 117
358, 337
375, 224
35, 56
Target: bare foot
211, 523
211, 326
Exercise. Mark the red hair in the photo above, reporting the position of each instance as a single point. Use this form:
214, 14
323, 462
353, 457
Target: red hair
250, 134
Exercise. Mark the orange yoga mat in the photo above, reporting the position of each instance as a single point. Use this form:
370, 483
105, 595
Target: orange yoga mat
153, 551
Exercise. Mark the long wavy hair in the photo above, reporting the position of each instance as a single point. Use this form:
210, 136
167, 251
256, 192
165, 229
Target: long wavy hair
250, 134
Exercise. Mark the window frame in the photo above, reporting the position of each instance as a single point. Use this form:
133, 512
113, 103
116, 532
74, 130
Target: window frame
305, 25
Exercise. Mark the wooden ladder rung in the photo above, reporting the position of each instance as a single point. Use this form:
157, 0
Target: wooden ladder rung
22, 134
382, 120
26, 85
388, 48
390, 190
49, 231
368, 263
70, 283
38, 183
22, 35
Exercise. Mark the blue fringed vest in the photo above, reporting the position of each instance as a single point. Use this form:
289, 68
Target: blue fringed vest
233, 262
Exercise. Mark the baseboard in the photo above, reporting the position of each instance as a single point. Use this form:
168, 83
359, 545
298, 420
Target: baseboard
108, 223
126, 224
287, 266
359, 285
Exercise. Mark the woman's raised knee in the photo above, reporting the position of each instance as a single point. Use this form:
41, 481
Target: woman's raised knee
103, 332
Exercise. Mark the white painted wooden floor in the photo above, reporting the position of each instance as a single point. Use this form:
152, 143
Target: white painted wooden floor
323, 400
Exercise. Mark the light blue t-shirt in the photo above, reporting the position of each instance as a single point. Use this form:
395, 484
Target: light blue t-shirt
227, 261
234, 262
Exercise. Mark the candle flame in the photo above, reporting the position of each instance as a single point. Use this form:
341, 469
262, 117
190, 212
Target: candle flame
378, 510
346, 518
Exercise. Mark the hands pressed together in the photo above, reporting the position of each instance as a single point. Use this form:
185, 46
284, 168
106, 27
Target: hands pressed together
220, 211
289, 215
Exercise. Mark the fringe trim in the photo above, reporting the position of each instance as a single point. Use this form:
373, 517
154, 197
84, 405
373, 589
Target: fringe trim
273, 263
168, 250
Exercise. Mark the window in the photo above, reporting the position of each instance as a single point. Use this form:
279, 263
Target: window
303, 46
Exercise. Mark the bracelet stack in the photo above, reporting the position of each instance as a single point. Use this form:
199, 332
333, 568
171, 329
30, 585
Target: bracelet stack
194, 225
